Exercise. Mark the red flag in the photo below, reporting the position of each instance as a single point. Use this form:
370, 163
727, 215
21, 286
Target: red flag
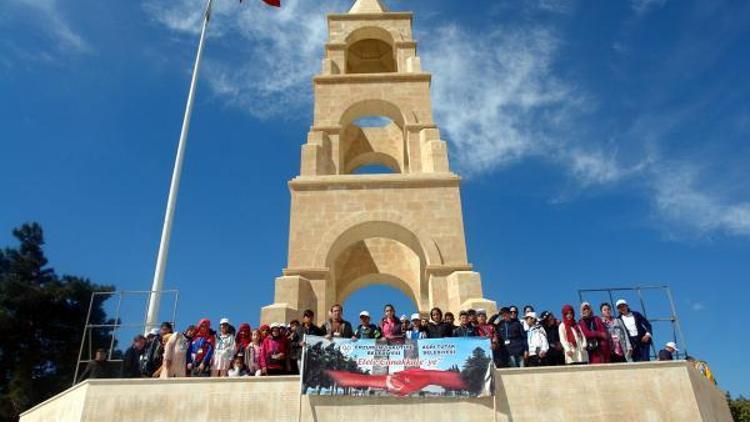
276, 3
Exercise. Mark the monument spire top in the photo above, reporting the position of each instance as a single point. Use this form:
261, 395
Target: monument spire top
368, 6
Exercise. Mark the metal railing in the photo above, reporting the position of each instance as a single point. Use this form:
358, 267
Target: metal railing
117, 325
677, 335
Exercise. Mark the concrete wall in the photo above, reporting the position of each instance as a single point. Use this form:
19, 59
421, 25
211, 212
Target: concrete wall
656, 391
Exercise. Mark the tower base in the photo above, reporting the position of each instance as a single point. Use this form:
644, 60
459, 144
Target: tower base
653, 391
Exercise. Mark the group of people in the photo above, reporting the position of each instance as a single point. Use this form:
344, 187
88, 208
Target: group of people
276, 349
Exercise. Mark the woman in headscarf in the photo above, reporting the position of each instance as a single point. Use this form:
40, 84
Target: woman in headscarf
244, 336
597, 335
622, 350
572, 338
201, 348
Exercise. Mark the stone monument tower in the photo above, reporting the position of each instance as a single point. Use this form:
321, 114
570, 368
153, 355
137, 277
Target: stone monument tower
348, 230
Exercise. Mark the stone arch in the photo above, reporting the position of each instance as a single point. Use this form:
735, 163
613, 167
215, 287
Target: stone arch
384, 145
373, 107
386, 279
370, 49
422, 241
372, 158
419, 251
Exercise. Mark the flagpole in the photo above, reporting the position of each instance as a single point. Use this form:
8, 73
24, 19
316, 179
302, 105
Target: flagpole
161, 260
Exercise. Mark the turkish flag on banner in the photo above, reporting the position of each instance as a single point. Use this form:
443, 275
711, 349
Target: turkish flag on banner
276, 3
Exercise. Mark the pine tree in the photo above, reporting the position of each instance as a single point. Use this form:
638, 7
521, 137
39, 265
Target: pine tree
474, 371
41, 324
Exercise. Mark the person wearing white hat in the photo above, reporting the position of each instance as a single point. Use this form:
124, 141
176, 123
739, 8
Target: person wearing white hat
639, 331
417, 331
366, 329
536, 337
224, 350
667, 353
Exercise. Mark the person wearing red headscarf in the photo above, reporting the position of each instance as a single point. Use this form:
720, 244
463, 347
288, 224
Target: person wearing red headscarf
597, 335
244, 335
201, 348
572, 339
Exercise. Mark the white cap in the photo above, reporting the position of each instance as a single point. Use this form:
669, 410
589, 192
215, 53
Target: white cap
153, 331
224, 321
620, 302
415, 316
672, 345
531, 315
481, 311
403, 318
274, 325
364, 313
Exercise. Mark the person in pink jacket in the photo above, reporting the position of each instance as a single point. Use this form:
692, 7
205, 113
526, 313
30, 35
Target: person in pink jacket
597, 335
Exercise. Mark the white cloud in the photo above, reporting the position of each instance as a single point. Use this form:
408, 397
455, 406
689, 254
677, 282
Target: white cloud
276, 51
695, 305
643, 6
680, 200
49, 18
496, 95
497, 98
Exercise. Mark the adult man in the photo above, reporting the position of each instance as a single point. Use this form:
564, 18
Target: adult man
537, 341
639, 331
131, 365
512, 338
667, 353
155, 349
308, 327
97, 368
336, 326
366, 329
465, 329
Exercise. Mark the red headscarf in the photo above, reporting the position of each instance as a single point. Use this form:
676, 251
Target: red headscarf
265, 330
204, 330
244, 334
569, 324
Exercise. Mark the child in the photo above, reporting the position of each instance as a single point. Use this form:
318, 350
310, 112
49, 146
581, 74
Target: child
238, 368
252, 354
224, 350
366, 329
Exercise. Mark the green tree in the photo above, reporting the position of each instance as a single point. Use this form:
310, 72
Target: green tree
740, 408
475, 371
41, 324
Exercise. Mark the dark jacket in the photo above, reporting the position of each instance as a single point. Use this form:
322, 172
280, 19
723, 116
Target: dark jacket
641, 323
345, 330
367, 331
131, 364
464, 331
665, 354
312, 330
512, 337
154, 356
96, 369
441, 330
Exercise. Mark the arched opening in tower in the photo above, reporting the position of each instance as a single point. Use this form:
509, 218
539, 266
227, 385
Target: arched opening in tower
370, 56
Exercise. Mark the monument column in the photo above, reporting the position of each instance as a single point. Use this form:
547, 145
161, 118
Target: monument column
348, 230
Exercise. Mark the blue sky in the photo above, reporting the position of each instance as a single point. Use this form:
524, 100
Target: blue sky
601, 144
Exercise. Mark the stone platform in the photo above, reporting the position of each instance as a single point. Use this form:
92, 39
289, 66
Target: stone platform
656, 391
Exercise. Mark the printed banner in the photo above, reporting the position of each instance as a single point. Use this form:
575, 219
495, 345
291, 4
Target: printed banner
429, 367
